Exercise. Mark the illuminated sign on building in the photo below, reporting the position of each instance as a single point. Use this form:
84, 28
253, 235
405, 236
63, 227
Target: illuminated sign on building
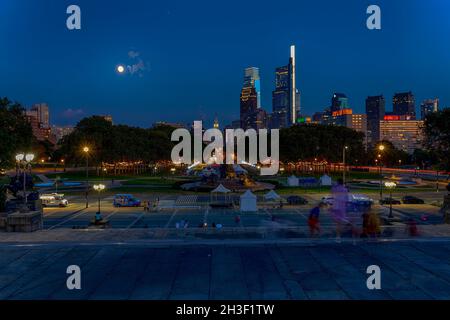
343, 112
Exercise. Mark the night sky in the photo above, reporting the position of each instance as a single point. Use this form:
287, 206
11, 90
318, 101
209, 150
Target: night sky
189, 56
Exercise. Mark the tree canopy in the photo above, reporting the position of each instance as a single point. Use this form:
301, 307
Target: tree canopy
436, 130
16, 134
115, 143
306, 142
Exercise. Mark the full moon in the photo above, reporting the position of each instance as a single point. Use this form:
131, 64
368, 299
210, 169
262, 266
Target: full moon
120, 69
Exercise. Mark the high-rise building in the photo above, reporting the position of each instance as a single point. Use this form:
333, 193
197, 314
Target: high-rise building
404, 104
285, 97
428, 106
252, 80
40, 111
404, 134
339, 101
375, 111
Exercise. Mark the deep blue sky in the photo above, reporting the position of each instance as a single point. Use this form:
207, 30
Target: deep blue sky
196, 51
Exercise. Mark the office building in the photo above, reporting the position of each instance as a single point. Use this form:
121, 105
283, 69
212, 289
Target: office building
404, 134
285, 97
428, 106
375, 111
404, 104
339, 101
40, 112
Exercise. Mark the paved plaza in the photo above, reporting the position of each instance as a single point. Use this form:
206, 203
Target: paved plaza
327, 270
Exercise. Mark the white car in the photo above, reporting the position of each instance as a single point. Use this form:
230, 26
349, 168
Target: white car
355, 199
53, 200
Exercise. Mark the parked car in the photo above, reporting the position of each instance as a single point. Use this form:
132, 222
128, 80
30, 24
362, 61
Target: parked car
328, 200
292, 200
126, 200
412, 200
54, 200
353, 199
390, 201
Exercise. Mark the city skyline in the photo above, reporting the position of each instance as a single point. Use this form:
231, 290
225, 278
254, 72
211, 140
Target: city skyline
74, 86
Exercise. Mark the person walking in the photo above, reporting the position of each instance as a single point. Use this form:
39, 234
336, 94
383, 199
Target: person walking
313, 220
339, 208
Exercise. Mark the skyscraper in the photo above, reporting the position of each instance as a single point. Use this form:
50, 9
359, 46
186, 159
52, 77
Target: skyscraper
251, 79
285, 97
251, 113
339, 101
375, 110
428, 106
404, 104
41, 112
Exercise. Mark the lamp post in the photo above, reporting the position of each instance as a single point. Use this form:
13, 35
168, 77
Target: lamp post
390, 186
99, 188
437, 180
381, 149
86, 152
343, 162
26, 160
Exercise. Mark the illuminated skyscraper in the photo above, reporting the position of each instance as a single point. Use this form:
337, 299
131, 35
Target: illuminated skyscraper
252, 80
251, 113
285, 97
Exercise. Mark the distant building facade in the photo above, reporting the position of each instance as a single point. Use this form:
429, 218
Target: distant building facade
61, 132
375, 111
285, 97
404, 134
404, 104
428, 106
251, 113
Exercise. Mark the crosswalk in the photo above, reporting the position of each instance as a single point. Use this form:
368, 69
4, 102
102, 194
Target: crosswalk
186, 200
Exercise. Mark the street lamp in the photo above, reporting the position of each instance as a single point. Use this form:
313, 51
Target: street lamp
86, 152
390, 186
99, 188
343, 162
381, 149
25, 159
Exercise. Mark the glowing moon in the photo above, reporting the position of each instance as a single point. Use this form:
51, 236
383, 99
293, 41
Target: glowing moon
120, 69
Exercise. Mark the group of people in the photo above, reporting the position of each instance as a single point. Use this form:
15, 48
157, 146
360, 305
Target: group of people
365, 224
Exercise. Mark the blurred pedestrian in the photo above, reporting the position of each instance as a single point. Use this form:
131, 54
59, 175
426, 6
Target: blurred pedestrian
411, 227
373, 224
339, 208
313, 220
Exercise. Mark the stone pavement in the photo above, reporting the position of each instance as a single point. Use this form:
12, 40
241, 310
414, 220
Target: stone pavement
417, 269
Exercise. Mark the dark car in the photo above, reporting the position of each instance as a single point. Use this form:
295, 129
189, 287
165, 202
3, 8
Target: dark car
296, 200
390, 201
412, 200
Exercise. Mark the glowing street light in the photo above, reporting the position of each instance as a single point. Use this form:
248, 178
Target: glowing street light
390, 186
26, 160
99, 188
86, 152
381, 148
345, 148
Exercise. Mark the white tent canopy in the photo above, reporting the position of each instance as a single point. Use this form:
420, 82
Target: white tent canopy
221, 189
271, 195
292, 181
248, 202
325, 180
